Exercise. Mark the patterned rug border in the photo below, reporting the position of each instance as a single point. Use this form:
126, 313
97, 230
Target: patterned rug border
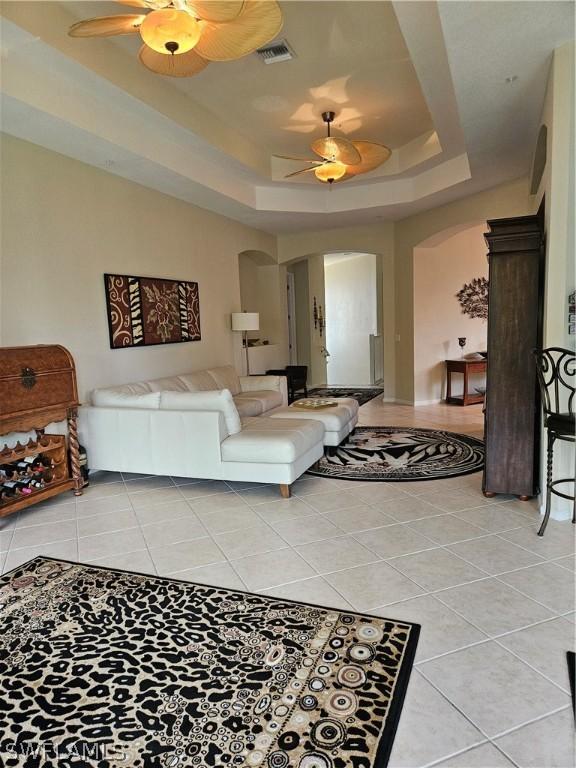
358, 479
386, 739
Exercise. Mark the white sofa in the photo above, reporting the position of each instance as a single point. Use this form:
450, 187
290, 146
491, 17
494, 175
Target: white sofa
209, 424
253, 395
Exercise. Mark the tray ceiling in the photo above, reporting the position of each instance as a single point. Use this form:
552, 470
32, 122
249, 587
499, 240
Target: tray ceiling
428, 79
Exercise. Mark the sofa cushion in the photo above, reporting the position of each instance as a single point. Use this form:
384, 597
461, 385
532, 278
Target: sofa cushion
226, 378
201, 381
266, 400
215, 400
272, 441
117, 397
168, 384
248, 407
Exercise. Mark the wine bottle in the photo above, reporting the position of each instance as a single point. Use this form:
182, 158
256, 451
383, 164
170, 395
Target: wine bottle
23, 487
84, 470
9, 471
9, 489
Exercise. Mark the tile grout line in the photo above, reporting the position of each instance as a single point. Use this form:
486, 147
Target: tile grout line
499, 734
521, 546
496, 638
459, 752
533, 720
226, 560
254, 508
141, 531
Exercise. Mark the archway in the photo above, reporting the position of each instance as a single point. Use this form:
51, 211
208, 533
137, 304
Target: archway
309, 275
443, 264
353, 312
262, 289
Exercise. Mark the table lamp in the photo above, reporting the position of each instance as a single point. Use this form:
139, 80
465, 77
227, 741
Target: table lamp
246, 321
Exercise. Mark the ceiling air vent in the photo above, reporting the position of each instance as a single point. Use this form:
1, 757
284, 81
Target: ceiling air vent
275, 52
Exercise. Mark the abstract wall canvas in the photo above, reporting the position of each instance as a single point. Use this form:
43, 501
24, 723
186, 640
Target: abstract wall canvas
143, 311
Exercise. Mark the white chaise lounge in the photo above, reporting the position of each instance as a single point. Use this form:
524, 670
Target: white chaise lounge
191, 426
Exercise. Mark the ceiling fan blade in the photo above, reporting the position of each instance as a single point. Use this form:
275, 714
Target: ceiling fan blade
336, 148
180, 65
258, 22
302, 170
299, 159
153, 4
107, 26
372, 156
215, 10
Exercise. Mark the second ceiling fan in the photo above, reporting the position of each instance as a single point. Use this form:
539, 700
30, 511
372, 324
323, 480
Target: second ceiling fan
341, 158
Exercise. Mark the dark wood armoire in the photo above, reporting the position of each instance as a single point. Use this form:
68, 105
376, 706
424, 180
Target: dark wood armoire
512, 418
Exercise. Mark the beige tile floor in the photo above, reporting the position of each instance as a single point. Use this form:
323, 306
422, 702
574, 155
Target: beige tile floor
496, 603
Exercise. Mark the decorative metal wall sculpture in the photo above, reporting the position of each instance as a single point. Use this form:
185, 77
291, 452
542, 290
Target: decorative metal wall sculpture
144, 311
473, 298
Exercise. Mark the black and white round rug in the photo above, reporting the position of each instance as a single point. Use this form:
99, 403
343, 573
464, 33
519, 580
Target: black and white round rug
402, 454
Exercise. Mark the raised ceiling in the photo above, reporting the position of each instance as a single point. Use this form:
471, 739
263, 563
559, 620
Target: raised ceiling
425, 78
350, 57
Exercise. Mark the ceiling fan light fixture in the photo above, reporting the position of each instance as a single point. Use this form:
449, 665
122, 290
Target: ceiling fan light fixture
170, 31
329, 172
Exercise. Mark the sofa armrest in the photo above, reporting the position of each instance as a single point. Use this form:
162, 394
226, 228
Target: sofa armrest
259, 383
159, 442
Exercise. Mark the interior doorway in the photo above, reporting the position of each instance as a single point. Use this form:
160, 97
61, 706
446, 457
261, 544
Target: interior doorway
351, 316
292, 330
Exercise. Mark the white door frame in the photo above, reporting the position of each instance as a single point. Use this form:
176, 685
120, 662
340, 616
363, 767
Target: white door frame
291, 305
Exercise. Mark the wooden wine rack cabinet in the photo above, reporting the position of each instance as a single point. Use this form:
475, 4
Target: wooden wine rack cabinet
38, 387
51, 446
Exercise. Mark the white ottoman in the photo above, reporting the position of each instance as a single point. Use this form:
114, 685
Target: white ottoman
338, 420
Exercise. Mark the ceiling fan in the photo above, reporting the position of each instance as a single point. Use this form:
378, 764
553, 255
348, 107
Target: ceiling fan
181, 37
341, 157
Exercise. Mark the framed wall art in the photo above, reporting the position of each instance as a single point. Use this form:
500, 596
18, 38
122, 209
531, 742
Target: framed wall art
145, 311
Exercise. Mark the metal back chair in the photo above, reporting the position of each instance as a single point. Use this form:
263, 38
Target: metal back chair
556, 369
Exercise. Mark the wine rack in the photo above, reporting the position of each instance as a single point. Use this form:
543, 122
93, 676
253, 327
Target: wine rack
38, 387
57, 478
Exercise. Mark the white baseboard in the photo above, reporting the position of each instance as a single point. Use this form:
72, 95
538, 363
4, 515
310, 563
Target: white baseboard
561, 508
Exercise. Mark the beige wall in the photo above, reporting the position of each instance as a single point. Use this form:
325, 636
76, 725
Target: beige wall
248, 273
65, 223
557, 185
302, 304
395, 243
263, 290
509, 199
317, 342
440, 271
351, 316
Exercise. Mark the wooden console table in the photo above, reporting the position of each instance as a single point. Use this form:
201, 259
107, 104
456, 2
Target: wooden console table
466, 368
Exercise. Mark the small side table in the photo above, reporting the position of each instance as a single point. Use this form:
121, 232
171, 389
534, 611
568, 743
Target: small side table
466, 368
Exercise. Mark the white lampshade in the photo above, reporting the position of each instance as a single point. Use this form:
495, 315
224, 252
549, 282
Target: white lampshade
245, 321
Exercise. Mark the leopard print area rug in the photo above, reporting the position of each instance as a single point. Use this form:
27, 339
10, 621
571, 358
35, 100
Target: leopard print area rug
101, 668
